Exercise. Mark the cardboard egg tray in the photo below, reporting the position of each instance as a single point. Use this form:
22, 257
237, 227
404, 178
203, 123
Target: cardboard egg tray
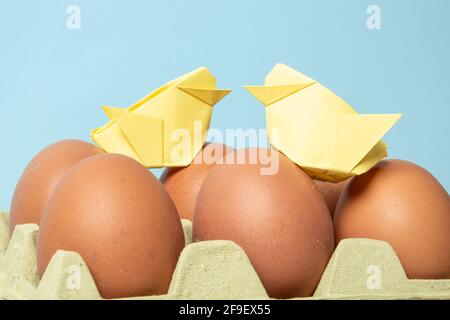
358, 269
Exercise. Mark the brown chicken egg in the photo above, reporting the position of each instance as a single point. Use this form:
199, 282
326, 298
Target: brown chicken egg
42, 175
183, 184
266, 204
403, 204
331, 192
118, 217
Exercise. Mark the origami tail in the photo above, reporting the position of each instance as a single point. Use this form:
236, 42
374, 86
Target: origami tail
143, 133
271, 94
356, 136
112, 112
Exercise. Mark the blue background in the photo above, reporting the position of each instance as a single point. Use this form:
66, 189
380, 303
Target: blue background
53, 80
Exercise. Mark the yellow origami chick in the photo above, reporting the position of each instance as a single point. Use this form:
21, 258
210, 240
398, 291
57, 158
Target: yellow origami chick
167, 127
318, 130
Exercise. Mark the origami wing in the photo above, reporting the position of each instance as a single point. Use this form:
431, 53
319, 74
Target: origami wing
144, 135
357, 135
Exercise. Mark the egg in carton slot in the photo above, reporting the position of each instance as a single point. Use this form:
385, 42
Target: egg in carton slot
218, 269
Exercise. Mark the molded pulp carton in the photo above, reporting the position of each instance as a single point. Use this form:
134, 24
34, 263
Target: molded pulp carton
358, 269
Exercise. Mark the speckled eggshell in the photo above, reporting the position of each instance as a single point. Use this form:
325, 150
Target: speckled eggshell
280, 220
118, 217
41, 176
183, 184
403, 204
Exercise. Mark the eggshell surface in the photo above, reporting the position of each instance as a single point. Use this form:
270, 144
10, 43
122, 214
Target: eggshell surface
403, 204
118, 217
331, 192
280, 220
41, 176
183, 184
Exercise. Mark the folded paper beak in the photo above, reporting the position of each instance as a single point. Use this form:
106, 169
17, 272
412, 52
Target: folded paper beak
209, 96
271, 94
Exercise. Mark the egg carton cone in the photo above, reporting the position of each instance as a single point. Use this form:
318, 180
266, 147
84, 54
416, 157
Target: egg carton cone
219, 269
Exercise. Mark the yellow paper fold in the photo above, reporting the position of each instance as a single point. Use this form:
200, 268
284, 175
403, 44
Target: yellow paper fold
165, 128
317, 129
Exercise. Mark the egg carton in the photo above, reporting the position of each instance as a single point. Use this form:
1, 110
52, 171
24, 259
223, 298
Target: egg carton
219, 269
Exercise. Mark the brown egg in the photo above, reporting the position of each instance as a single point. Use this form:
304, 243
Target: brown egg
331, 192
279, 218
403, 204
118, 217
42, 175
183, 184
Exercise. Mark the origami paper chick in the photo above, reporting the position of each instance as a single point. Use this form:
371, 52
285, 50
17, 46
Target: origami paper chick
318, 130
165, 128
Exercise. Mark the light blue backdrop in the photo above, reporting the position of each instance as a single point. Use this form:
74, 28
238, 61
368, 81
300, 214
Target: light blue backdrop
53, 80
